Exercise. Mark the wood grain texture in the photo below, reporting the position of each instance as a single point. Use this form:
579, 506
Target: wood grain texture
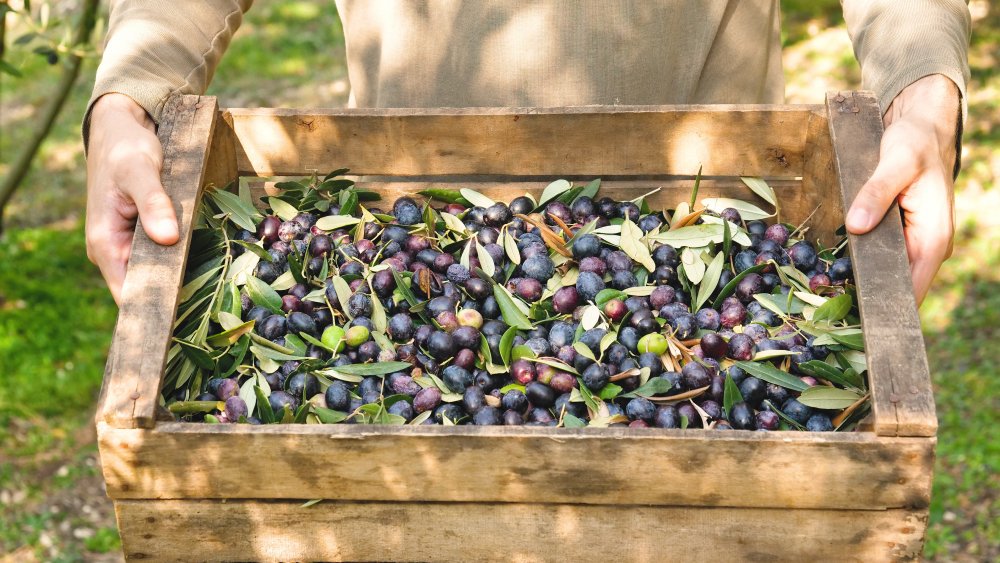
729, 140
371, 531
467, 463
902, 398
150, 292
819, 185
221, 167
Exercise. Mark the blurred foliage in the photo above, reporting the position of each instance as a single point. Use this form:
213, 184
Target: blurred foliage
56, 320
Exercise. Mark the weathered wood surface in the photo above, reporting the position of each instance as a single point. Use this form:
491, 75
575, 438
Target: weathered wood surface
501, 464
729, 140
150, 292
819, 185
221, 167
902, 398
370, 531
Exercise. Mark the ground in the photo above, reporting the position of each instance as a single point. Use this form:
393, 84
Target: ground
56, 319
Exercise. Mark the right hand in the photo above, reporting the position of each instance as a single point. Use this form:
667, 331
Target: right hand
123, 184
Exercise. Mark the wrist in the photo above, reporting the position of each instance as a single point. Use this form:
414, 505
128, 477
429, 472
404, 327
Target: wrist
115, 106
933, 100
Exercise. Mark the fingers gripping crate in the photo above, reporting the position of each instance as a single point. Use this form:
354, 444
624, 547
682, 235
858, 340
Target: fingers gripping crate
234, 492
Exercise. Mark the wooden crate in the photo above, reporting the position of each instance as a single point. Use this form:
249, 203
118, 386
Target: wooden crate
234, 492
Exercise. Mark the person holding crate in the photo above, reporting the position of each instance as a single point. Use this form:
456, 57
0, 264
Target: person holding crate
553, 53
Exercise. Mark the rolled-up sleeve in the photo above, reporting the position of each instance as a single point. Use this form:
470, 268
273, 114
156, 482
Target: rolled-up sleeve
899, 42
155, 49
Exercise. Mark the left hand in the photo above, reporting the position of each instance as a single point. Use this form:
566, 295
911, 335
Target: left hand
916, 162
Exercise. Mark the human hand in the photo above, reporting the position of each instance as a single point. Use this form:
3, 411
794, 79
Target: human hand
915, 167
123, 183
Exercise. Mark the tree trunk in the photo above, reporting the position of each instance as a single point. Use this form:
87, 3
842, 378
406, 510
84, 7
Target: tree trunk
22, 163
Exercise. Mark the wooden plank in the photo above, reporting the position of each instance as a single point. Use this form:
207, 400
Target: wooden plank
518, 464
796, 203
149, 295
819, 184
902, 398
371, 531
729, 140
221, 167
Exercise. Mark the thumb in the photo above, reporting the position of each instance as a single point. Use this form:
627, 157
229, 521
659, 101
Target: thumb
156, 211
896, 170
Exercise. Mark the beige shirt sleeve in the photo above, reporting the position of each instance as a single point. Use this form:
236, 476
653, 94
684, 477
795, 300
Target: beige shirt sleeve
899, 42
155, 49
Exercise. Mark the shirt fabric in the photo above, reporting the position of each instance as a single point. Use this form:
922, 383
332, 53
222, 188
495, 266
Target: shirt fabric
481, 53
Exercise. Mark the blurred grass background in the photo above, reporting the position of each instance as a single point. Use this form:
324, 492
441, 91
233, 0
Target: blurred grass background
56, 318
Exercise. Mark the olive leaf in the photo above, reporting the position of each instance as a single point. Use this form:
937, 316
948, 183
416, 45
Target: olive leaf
512, 314
655, 386
828, 398
242, 267
730, 394
731, 286
834, 309
698, 236
590, 190
710, 281
334, 222
262, 294
229, 336
476, 198
286, 211
378, 368
453, 223
343, 290
510, 246
771, 374
748, 211
632, 244
445, 195
693, 265
485, 260
240, 212
552, 191
328, 416
823, 370
760, 187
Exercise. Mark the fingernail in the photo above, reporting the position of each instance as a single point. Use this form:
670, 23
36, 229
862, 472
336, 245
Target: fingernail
858, 218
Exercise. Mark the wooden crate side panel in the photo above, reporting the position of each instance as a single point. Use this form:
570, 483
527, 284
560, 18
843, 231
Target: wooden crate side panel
819, 185
598, 140
660, 467
221, 168
150, 292
371, 531
902, 397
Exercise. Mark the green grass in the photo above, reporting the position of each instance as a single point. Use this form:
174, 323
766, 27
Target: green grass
56, 319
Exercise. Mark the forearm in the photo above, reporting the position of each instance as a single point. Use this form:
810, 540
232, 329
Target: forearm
898, 43
155, 49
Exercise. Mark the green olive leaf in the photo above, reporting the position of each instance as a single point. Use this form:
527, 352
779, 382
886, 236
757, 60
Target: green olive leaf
834, 309
632, 244
773, 375
476, 198
286, 211
334, 222
552, 191
710, 281
760, 187
748, 211
828, 398
262, 294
